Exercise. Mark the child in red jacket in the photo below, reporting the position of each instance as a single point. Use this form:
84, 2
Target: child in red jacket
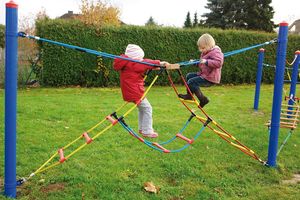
211, 61
132, 85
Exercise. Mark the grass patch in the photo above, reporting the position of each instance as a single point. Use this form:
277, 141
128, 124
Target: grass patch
115, 166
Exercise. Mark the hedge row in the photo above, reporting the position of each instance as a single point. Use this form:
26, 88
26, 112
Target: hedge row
2, 31
63, 66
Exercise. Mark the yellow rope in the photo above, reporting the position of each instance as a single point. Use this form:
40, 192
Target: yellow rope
288, 73
75, 151
292, 61
91, 129
224, 134
42, 169
189, 101
71, 143
43, 165
241, 147
51, 166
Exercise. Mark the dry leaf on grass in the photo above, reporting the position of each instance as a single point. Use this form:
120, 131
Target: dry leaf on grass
294, 180
150, 187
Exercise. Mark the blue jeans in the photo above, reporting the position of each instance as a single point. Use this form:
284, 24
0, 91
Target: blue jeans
195, 81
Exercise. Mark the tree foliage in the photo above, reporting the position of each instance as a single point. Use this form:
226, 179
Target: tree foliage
246, 14
195, 21
188, 21
99, 13
151, 22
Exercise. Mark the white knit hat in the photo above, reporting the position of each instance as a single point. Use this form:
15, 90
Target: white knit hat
134, 51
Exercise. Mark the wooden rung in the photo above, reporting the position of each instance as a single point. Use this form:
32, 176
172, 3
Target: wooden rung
284, 125
286, 114
291, 127
88, 140
141, 139
287, 110
201, 118
290, 106
61, 155
287, 123
161, 147
179, 135
189, 101
289, 119
112, 120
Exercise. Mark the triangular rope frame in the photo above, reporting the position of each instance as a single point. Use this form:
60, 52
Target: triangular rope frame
220, 131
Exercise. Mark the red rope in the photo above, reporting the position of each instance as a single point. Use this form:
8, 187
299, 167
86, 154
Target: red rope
248, 152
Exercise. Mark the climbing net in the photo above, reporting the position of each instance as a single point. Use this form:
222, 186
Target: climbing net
118, 117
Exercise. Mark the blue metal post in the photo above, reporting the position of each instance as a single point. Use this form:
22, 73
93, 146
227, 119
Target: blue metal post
11, 71
260, 61
294, 78
277, 95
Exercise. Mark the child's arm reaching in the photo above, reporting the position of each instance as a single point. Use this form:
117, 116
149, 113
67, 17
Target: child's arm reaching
169, 66
214, 62
173, 66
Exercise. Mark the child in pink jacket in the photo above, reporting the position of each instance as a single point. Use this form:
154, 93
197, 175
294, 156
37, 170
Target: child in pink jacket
211, 61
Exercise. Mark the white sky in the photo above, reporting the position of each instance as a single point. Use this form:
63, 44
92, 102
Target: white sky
137, 12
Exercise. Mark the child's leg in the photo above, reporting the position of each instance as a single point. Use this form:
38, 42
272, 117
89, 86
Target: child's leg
191, 75
194, 84
145, 113
140, 116
197, 81
187, 96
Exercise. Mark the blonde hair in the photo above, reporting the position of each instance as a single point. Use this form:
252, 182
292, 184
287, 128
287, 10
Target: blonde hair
207, 41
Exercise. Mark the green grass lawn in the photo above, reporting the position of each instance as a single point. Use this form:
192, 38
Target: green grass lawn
116, 165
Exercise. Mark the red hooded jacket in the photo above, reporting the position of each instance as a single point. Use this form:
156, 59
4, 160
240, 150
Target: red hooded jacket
132, 77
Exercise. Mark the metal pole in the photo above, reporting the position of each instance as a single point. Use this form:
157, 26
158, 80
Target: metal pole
294, 79
11, 71
260, 61
277, 95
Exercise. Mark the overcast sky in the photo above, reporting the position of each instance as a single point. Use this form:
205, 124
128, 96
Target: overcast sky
137, 12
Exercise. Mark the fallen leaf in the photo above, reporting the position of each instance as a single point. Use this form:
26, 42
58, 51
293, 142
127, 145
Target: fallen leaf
150, 187
42, 181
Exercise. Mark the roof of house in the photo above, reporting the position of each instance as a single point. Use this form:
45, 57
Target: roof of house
69, 15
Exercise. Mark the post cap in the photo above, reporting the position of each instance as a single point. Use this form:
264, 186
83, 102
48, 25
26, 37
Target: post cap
297, 52
11, 4
283, 23
261, 50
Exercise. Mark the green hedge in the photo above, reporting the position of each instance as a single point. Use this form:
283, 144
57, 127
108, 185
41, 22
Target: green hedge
63, 66
2, 31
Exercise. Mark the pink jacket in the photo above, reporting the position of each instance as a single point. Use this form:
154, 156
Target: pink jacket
211, 70
132, 77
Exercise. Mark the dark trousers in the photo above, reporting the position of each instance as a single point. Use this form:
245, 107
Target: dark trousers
195, 81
